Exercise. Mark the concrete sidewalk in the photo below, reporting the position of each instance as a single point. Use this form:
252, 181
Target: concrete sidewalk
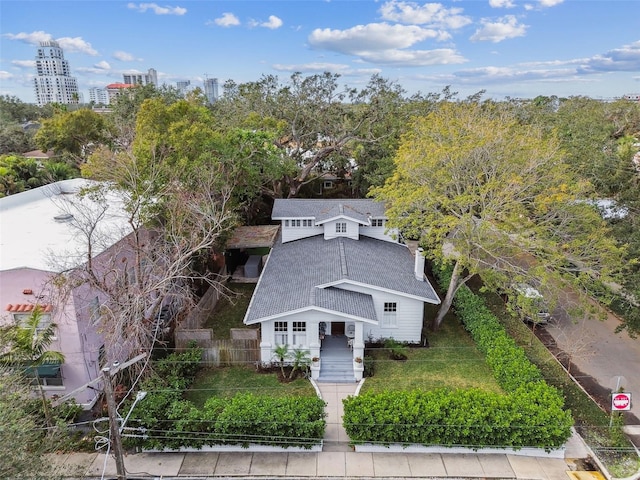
313, 465
337, 460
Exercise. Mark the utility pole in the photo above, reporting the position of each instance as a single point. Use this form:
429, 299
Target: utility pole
116, 440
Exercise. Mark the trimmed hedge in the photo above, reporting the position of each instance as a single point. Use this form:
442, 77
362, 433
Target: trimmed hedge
529, 414
165, 421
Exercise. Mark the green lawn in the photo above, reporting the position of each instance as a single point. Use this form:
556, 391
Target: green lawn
227, 381
451, 360
229, 312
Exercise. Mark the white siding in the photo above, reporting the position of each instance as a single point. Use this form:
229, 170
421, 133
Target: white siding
409, 315
353, 229
379, 233
290, 233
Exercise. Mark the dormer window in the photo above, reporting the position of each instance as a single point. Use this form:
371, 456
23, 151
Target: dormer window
341, 227
377, 222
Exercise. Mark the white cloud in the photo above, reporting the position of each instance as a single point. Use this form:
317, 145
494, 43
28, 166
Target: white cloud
340, 68
157, 9
4, 75
24, 63
549, 3
33, 38
103, 65
125, 56
502, 29
542, 4
624, 59
226, 20
414, 58
273, 23
432, 14
374, 36
76, 44
384, 43
501, 3
68, 44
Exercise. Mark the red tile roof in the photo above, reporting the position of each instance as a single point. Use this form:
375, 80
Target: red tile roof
120, 85
28, 307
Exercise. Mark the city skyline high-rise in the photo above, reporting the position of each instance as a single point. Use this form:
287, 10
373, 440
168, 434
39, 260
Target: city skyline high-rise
53, 82
151, 77
211, 89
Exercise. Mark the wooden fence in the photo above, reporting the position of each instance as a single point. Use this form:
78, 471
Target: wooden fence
221, 352
232, 352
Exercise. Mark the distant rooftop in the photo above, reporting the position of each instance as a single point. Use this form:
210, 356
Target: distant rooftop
36, 227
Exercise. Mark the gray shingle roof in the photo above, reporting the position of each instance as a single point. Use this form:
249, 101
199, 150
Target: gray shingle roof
358, 209
345, 301
295, 269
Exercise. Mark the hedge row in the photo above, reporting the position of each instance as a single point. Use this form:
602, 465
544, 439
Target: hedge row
530, 413
471, 418
165, 421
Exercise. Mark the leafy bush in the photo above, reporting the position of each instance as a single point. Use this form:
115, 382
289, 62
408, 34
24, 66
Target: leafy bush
167, 421
530, 414
397, 350
471, 418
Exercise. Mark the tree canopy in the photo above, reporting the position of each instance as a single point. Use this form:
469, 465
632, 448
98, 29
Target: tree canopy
479, 188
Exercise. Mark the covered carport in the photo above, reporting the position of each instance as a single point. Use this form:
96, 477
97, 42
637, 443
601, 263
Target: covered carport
247, 249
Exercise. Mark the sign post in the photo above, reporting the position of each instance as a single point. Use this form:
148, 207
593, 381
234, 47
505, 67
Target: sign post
620, 402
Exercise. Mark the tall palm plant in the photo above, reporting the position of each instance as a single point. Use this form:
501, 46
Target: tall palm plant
28, 349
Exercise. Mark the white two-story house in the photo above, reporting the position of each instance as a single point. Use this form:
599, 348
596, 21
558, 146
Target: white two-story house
337, 271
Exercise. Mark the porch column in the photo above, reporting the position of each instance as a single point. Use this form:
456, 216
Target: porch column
266, 354
358, 351
313, 335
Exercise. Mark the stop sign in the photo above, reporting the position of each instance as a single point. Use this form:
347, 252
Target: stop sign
621, 401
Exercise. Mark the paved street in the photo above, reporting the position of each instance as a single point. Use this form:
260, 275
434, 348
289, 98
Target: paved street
598, 352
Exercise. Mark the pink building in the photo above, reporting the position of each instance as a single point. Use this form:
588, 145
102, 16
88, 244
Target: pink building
37, 243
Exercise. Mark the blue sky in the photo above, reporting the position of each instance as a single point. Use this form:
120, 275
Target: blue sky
506, 47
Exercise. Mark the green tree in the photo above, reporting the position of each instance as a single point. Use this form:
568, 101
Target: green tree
125, 107
75, 133
18, 174
281, 354
319, 124
28, 348
479, 188
299, 360
14, 139
22, 443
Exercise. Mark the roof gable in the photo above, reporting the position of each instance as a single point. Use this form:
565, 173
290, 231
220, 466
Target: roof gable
296, 269
360, 210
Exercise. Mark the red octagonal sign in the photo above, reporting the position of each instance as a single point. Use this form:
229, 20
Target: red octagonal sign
621, 401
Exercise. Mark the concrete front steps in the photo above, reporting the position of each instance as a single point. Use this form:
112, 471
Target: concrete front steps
336, 370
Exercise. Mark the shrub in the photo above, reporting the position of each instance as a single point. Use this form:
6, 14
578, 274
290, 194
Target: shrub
166, 421
530, 414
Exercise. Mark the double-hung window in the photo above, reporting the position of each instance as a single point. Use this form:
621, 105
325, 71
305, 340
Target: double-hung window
341, 227
299, 334
377, 222
280, 333
389, 316
22, 319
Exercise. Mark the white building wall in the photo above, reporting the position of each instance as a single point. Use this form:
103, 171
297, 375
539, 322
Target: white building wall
409, 315
353, 229
379, 233
290, 233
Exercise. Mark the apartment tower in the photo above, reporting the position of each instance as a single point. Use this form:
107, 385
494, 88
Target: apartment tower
53, 82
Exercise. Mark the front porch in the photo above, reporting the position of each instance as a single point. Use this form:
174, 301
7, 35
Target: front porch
337, 363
